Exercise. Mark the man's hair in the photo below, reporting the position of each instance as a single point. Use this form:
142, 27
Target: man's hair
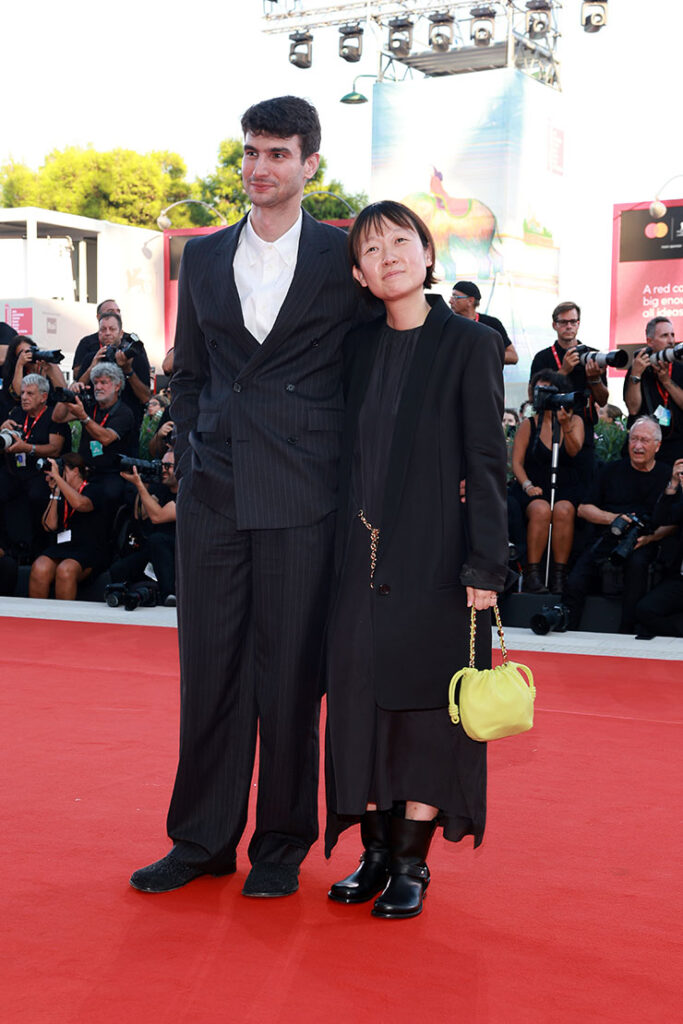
42, 383
652, 422
651, 325
373, 217
283, 117
104, 303
110, 370
566, 307
111, 316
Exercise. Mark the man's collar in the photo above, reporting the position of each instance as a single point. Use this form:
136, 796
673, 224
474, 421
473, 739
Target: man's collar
287, 245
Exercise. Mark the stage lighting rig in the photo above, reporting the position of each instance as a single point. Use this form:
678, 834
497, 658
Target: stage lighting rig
593, 15
537, 19
483, 25
400, 37
301, 49
441, 32
351, 43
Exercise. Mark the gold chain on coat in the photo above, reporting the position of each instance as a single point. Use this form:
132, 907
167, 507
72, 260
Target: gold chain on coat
374, 538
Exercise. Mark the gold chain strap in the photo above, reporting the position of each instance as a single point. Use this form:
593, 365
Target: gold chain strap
374, 538
473, 633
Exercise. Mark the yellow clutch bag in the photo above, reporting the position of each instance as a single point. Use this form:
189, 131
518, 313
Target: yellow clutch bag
495, 702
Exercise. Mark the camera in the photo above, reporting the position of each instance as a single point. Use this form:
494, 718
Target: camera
44, 465
618, 543
667, 355
617, 358
129, 346
132, 595
85, 396
548, 398
7, 438
46, 355
551, 617
150, 471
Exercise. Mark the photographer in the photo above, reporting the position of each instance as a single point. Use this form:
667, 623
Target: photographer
658, 390
74, 513
108, 429
23, 490
531, 465
660, 612
20, 361
155, 510
126, 352
626, 488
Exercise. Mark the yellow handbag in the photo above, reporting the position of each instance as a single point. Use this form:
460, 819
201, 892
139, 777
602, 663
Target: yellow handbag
493, 702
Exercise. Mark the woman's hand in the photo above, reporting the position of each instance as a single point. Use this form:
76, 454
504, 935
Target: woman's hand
481, 599
533, 491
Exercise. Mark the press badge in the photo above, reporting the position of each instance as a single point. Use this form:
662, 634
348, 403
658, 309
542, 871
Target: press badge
663, 416
96, 448
20, 460
64, 537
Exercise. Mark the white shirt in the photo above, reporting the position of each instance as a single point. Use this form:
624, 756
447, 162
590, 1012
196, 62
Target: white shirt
263, 274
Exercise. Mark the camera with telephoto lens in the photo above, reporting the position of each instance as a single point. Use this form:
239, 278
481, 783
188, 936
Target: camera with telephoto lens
46, 355
85, 396
129, 346
551, 617
667, 355
548, 398
7, 438
150, 471
44, 465
617, 358
132, 595
618, 542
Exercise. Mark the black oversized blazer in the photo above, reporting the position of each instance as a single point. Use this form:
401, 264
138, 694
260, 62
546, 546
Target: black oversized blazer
431, 545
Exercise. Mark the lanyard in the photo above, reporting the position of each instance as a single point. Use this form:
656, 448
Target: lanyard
94, 416
664, 394
558, 361
68, 510
27, 432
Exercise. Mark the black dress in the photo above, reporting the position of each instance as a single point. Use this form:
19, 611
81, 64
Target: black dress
574, 472
88, 543
374, 755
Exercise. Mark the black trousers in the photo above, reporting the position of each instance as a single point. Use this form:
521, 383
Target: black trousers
251, 615
661, 611
159, 549
585, 576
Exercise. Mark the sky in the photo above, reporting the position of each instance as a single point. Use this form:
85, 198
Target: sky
148, 75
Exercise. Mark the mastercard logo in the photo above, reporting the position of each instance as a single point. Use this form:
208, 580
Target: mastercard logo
659, 230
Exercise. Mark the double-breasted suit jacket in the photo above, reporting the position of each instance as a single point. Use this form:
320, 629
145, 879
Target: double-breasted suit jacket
259, 425
431, 545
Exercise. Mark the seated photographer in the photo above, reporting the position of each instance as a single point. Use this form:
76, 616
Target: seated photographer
126, 352
657, 389
33, 435
621, 509
155, 511
660, 613
108, 429
75, 516
531, 465
22, 359
156, 413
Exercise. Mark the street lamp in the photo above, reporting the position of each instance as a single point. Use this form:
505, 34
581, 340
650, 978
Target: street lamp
164, 222
335, 195
657, 207
354, 96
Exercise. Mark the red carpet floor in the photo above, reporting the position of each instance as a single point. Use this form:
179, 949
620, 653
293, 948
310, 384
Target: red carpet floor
570, 911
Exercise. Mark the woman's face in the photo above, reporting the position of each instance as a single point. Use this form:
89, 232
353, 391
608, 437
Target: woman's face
392, 261
509, 420
72, 475
153, 406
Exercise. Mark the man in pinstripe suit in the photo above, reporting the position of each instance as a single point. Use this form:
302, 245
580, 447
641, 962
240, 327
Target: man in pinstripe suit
263, 308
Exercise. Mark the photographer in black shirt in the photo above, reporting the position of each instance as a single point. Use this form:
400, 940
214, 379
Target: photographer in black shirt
660, 612
658, 390
127, 352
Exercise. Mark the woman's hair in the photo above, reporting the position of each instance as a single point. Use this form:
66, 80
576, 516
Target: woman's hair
555, 380
374, 216
75, 461
514, 413
614, 412
10, 364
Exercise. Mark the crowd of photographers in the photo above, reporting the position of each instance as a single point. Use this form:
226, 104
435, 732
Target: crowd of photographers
87, 481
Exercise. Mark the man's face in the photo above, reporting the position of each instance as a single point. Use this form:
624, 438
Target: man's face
109, 333
106, 392
463, 305
32, 400
272, 171
642, 446
168, 469
110, 306
567, 327
664, 337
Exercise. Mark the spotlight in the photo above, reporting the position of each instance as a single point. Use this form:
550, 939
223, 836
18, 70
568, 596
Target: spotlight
658, 209
400, 37
301, 49
483, 21
351, 43
593, 15
441, 32
537, 19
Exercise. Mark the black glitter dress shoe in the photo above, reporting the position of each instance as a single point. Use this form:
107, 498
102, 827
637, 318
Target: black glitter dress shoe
268, 880
170, 873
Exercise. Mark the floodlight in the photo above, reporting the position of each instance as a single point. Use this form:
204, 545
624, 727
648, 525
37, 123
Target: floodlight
441, 32
351, 43
400, 37
483, 25
301, 49
593, 15
537, 19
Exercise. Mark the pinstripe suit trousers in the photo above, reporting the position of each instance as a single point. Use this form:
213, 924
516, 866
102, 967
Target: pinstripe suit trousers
251, 614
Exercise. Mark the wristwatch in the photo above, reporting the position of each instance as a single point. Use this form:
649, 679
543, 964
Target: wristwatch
634, 379
128, 375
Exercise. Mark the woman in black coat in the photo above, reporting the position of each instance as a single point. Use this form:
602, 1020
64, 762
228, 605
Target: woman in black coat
424, 403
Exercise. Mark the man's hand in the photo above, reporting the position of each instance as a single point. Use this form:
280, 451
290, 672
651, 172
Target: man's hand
125, 364
591, 367
640, 363
99, 355
570, 361
481, 599
78, 410
11, 425
661, 372
676, 480
134, 478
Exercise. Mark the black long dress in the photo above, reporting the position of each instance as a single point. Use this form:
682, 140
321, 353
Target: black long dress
375, 755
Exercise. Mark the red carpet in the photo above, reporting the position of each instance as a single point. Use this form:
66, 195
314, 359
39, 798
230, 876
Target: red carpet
570, 911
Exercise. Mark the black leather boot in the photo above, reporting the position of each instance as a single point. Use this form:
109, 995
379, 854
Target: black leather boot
558, 577
408, 873
371, 876
533, 579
